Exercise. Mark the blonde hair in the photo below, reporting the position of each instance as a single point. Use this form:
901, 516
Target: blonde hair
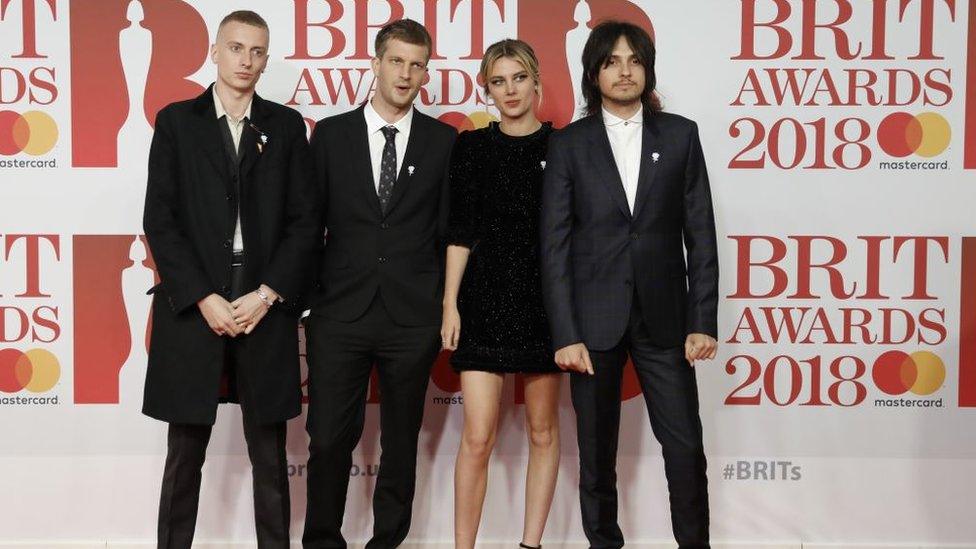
246, 17
517, 50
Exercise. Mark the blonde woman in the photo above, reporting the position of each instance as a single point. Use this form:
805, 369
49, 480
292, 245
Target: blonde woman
493, 314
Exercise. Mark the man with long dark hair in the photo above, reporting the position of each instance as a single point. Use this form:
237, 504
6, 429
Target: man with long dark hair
625, 192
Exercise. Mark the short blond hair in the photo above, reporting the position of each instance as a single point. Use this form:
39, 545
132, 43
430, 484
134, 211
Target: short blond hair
246, 17
517, 50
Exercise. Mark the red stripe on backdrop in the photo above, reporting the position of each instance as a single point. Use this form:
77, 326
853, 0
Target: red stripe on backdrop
99, 98
101, 338
967, 325
969, 159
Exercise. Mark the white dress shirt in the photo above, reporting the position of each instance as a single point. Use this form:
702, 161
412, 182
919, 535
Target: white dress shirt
236, 130
374, 127
626, 137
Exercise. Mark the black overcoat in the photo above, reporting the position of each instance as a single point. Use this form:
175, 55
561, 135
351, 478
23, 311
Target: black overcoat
190, 215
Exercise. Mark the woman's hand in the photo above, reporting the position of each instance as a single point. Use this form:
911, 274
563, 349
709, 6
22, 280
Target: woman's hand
450, 328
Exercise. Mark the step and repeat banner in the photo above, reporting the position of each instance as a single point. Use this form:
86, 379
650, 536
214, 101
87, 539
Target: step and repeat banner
840, 137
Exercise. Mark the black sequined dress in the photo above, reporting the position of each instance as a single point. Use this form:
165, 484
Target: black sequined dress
496, 191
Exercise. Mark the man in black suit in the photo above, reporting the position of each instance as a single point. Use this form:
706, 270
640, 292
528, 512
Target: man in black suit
382, 171
625, 190
231, 222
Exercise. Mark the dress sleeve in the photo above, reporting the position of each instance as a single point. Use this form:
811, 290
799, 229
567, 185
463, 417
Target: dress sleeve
465, 217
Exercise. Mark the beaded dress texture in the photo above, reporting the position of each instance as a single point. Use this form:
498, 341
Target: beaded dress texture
496, 189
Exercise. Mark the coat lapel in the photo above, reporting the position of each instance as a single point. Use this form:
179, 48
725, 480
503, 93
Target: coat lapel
650, 145
416, 145
610, 175
251, 135
361, 161
209, 133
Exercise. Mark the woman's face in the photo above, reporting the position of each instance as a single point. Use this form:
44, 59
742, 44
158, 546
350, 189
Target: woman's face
511, 87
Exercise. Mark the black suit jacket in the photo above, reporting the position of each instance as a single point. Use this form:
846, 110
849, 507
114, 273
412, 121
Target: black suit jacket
190, 215
400, 254
595, 254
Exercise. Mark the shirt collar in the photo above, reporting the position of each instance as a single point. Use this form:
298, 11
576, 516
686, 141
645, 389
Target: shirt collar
375, 122
610, 120
219, 107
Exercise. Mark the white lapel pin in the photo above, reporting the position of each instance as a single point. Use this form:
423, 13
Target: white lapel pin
543, 164
655, 156
410, 170
262, 137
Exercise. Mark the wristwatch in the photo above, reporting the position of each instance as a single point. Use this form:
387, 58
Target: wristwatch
268, 302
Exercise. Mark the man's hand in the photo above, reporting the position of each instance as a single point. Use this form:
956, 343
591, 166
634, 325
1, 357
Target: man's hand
219, 315
574, 357
700, 347
249, 309
450, 328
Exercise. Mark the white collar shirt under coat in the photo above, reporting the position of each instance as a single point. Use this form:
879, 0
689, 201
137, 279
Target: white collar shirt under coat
626, 139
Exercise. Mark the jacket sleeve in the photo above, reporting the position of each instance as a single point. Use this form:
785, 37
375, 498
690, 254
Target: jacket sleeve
555, 233
700, 243
463, 228
183, 277
444, 200
291, 270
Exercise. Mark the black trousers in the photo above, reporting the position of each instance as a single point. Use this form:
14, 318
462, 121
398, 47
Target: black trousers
671, 393
341, 356
186, 452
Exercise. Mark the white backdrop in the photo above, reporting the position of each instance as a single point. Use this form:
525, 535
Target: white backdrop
839, 411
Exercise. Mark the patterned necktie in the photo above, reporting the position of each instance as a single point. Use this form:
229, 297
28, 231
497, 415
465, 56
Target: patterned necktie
388, 167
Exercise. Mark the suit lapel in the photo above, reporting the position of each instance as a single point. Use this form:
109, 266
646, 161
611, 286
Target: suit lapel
650, 145
610, 176
362, 165
416, 144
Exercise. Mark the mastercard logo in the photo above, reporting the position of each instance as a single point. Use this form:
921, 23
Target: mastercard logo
897, 373
901, 134
36, 370
33, 132
465, 122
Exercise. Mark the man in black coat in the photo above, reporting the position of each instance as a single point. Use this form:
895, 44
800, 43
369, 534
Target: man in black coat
231, 222
625, 195
382, 171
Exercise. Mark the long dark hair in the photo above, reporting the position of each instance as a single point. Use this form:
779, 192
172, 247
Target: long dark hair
599, 49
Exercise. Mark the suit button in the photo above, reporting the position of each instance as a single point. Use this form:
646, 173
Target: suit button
227, 198
634, 236
382, 260
384, 226
224, 290
227, 243
628, 282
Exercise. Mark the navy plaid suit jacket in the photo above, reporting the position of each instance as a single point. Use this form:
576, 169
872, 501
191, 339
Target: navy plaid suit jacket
596, 256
